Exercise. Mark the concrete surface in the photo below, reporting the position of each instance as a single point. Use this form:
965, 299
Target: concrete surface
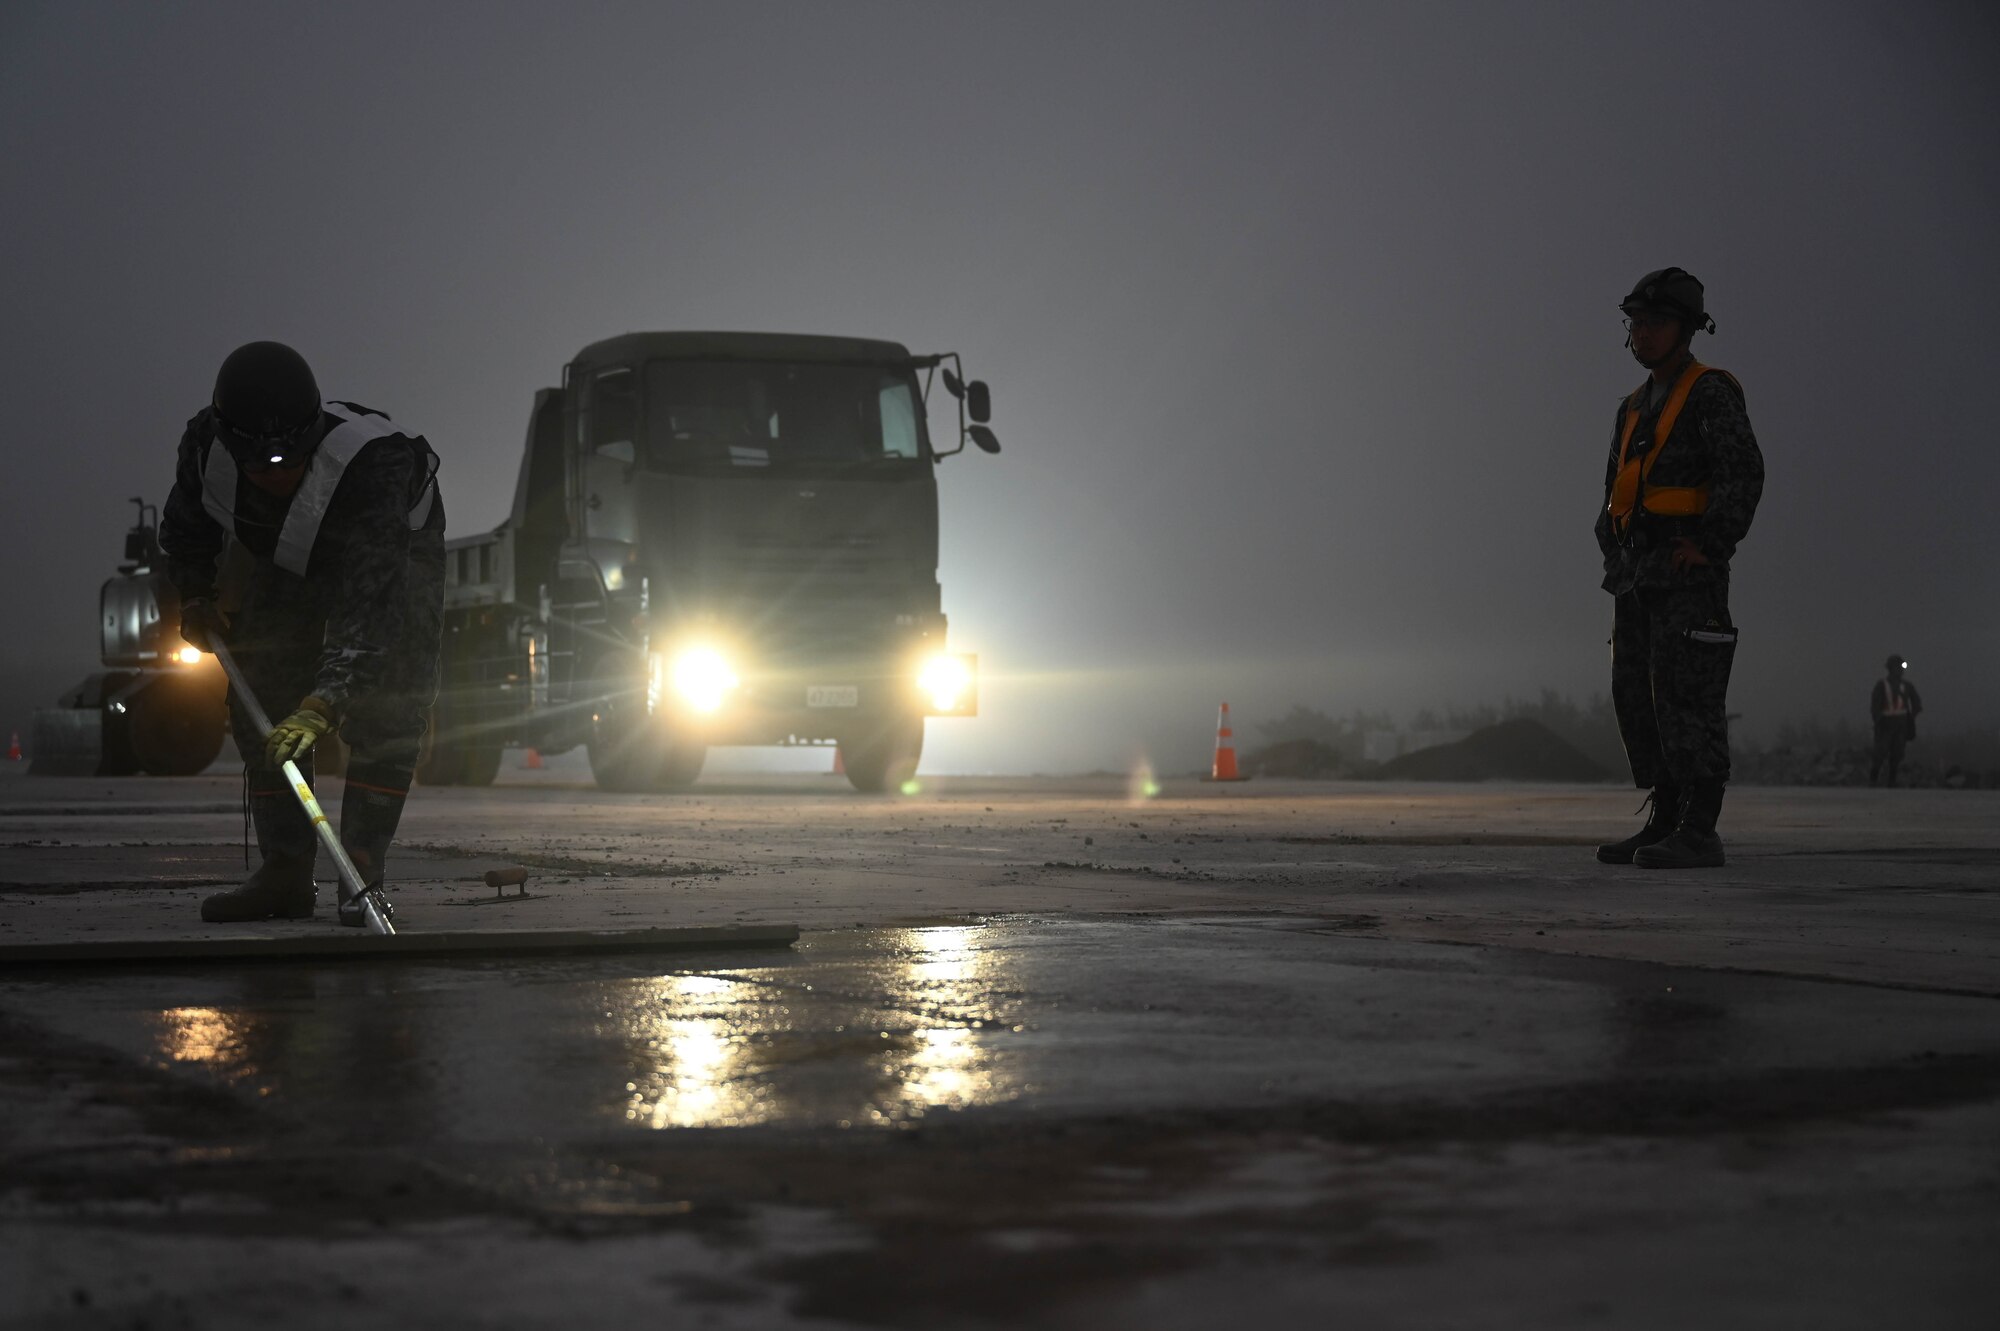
1049, 1053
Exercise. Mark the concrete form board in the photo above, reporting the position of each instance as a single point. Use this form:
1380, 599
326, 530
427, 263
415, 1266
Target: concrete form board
365, 946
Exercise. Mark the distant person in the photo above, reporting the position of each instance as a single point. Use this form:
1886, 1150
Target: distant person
338, 513
1680, 489
1893, 705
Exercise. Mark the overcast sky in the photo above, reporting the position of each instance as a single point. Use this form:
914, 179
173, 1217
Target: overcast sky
1300, 318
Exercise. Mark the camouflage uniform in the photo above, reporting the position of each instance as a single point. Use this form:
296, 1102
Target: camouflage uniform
1668, 684
359, 628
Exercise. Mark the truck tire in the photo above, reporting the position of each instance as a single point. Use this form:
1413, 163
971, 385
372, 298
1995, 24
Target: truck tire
454, 762
883, 756
647, 757
478, 764
175, 725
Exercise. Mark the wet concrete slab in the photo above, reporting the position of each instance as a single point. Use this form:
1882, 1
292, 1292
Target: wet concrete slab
1048, 1053
1019, 1016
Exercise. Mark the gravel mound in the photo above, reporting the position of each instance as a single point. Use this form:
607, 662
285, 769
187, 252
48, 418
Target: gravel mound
1517, 750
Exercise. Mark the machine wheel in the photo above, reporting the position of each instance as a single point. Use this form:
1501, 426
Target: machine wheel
175, 725
449, 762
884, 756
644, 757
478, 765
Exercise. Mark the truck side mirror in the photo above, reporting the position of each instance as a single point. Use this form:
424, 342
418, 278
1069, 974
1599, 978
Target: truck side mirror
984, 437
978, 401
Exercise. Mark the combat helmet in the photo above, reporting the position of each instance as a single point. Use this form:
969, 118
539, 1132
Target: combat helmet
266, 402
1673, 291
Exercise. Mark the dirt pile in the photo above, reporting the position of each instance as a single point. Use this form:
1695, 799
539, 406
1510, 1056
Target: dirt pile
1517, 750
1306, 758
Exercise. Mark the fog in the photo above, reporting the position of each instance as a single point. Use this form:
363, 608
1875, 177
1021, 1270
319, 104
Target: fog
1300, 318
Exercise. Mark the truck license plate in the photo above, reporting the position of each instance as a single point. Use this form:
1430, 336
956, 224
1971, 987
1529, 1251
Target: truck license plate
833, 695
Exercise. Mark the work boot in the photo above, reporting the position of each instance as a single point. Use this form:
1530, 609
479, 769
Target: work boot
1694, 844
1666, 802
282, 886
369, 812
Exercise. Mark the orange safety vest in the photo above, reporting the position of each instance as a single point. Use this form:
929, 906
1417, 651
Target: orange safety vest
1629, 490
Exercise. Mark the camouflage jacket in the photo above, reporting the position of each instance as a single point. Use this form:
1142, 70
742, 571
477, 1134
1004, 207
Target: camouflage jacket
1711, 445
358, 570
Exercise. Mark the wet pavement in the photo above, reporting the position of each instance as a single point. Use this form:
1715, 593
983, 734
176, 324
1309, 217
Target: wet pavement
1043, 1056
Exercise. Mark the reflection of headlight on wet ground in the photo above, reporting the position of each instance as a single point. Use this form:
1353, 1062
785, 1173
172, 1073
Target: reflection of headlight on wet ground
202, 1035
945, 1070
700, 1070
703, 678
944, 955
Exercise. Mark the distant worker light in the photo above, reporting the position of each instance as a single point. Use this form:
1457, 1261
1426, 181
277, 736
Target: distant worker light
702, 678
946, 680
188, 655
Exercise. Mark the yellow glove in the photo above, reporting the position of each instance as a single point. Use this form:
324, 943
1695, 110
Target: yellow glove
293, 738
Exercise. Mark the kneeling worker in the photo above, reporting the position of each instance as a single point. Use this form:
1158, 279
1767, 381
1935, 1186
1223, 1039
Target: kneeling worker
1680, 489
338, 511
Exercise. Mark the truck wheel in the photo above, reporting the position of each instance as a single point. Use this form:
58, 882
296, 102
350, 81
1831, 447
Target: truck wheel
176, 723
647, 757
437, 760
884, 756
479, 765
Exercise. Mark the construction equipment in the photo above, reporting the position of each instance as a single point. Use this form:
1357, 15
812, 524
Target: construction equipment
157, 707
351, 886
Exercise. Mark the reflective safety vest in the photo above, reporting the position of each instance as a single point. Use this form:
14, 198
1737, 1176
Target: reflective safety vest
1629, 490
343, 443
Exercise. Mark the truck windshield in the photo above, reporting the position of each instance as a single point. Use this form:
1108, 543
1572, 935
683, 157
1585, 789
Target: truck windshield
750, 414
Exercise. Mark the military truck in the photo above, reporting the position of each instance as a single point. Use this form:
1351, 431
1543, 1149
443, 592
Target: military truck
716, 539
158, 705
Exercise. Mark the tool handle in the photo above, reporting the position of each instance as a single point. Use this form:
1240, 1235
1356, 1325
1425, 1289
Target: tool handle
258, 718
350, 877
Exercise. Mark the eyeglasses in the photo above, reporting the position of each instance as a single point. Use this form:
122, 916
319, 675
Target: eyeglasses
1648, 319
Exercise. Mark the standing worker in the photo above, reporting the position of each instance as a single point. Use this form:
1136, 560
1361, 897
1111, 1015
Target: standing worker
1893, 705
336, 512
1680, 489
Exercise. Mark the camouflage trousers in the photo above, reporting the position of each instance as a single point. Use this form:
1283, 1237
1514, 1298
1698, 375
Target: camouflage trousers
1671, 651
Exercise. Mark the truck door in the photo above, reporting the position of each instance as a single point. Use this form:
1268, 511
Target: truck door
608, 438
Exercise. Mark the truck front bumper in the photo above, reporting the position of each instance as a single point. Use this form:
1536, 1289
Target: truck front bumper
729, 700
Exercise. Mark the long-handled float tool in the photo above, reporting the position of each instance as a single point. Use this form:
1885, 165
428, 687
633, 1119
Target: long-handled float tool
351, 885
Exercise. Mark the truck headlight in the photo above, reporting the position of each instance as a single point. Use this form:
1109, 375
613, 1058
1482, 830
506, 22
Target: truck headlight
702, 678
946, 681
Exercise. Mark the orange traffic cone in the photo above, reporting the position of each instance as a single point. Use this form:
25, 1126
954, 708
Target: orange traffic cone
1225, 750
14, 748
533, 760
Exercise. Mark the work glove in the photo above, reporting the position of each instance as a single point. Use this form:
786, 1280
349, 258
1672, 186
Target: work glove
203, 622
293, 738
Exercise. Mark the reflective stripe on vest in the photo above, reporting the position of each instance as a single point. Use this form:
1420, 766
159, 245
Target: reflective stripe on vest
218, 485
329, 463
1630, 490
315, 493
